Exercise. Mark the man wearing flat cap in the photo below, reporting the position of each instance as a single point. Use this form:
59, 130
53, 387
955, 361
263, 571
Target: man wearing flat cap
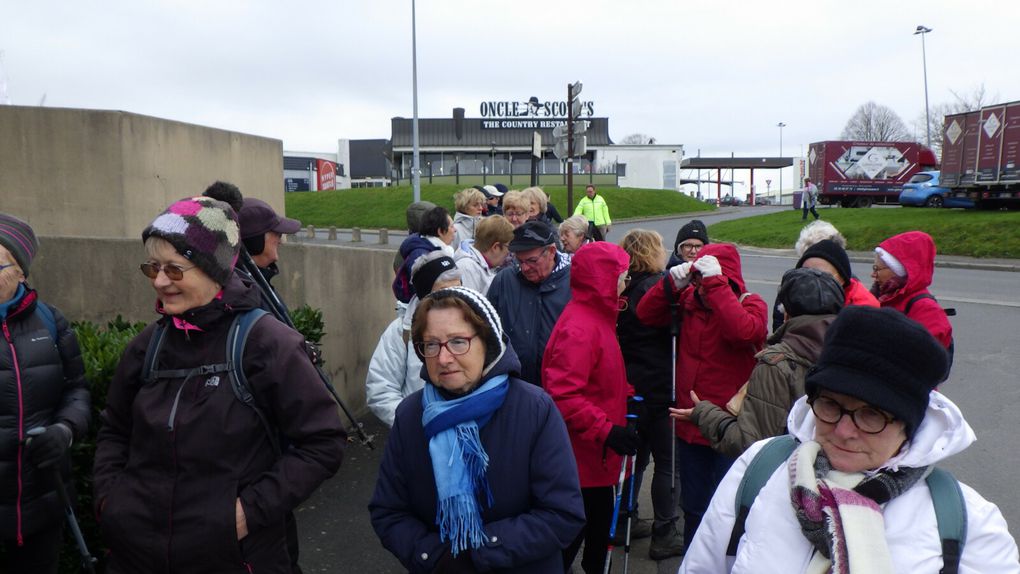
531, 294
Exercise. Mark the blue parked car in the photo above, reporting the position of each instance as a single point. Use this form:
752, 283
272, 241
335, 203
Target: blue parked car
923, 190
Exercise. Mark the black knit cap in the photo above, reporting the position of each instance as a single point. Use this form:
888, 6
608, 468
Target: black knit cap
810, 292
425, 277
693, 229
832, 252
883, 358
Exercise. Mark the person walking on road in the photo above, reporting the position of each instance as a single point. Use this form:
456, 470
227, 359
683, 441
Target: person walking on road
45, 406
722, 327
584, 373
476, 475
593, 206
649, 361
530, 294
809, 199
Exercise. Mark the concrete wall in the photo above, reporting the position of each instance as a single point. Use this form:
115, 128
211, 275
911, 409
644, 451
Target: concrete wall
96, 279
94, 173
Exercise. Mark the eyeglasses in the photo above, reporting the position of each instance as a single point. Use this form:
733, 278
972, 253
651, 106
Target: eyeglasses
532, 261
868, 419
876, 268
2, 267
513, 214
690, 247
455, 345
173, 271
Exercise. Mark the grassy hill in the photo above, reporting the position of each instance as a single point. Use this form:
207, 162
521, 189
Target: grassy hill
956, 231
384, 207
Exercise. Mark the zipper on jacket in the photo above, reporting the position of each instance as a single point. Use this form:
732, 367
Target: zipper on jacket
21, 427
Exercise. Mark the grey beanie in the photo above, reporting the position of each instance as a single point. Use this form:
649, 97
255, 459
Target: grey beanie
415, 212
18, 238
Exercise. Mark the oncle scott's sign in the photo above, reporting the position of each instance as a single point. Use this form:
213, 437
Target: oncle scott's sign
531, 109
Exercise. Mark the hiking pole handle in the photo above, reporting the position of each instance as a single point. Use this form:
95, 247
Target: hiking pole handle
280, 312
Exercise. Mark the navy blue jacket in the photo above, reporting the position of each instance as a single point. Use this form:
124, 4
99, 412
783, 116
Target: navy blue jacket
529, 312
537, 508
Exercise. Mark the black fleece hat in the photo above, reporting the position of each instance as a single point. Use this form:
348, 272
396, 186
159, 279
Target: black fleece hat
832, 252
810, 292
425, 278
883, 358
693, 229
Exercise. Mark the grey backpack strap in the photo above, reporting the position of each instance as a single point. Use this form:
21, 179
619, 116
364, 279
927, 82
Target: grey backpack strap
951, 516
236, 340
758, 472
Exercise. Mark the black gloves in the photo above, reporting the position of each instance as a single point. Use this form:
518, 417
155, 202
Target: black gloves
461, 564
45, 446
625, 441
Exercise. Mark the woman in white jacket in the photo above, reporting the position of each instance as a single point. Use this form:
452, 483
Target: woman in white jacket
395, 370
852, 497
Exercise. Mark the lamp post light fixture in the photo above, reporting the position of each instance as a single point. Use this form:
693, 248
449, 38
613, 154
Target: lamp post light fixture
780, 125
922, 30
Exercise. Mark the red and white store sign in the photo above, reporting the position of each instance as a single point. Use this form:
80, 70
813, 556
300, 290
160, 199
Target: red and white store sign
326, 177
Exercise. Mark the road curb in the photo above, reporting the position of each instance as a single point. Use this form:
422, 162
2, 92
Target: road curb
951, 262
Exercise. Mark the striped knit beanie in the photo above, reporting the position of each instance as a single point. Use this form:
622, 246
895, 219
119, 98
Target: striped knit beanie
496, 342
18, 238
204, 231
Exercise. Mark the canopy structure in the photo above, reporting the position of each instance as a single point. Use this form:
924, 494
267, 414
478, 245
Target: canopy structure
731, 163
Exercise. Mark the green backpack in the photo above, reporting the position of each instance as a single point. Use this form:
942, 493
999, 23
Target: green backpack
950, 508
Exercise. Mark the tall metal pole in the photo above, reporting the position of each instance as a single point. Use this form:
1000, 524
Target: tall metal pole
780, 125
924, 59
415, 172
570, 149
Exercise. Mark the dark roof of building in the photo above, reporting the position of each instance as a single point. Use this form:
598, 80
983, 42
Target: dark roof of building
513, 132
297, 163
735, 162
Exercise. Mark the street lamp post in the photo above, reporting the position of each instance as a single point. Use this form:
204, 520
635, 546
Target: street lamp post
780, 125
415, 172
922, 30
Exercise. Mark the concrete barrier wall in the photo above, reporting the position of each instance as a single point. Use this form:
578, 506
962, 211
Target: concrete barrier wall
96, 279
95, 173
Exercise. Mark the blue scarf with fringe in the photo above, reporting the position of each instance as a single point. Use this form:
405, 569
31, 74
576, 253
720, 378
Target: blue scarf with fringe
459, 462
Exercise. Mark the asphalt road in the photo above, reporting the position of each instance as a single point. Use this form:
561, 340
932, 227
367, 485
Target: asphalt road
334, 524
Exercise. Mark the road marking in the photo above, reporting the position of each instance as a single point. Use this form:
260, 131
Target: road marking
1015, 305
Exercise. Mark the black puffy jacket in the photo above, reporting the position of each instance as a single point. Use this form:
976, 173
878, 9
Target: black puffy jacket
42, 382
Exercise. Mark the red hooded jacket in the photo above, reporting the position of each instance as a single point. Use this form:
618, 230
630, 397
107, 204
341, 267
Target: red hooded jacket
719, 333
583, 369
915, 250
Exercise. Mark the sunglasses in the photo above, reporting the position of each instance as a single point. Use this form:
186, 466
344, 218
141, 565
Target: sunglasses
173, 271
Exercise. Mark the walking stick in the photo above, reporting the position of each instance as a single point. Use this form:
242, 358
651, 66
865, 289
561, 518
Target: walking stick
618, 493
280, 312
631, 422
674, 329
87, 560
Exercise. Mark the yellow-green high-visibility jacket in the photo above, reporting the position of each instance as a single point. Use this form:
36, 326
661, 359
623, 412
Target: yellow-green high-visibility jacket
595, 210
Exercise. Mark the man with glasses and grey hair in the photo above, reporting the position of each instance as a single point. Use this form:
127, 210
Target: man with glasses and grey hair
531, 294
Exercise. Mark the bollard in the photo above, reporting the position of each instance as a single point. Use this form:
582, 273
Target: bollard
356, 235
332, 233
384, 236
311, 232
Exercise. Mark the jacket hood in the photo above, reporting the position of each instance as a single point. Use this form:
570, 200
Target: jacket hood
596, 268
915, 250
803, 335
729, 260
465, 218
942, 433
413, 242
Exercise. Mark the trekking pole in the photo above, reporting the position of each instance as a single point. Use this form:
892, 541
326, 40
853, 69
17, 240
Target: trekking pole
281, 313
674, 329
631, 422
618, 493
87, 560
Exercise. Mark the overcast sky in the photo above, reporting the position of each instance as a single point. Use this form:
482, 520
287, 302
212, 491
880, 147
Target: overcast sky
715, 76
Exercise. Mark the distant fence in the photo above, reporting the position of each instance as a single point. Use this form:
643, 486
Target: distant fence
519, 180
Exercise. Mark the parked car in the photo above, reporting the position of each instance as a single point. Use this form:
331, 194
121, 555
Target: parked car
923, 190
730, 200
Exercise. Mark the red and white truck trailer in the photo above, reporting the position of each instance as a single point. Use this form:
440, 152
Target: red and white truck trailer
981, 155
861, 173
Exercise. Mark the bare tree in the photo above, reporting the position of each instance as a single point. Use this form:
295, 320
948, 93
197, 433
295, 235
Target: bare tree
875, 122
976, 99
637, 139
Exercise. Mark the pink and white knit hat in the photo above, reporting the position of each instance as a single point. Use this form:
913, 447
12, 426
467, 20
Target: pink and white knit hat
204, 231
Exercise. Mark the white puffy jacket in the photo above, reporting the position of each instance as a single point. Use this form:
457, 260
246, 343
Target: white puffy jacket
773, 542
474, 269
393, 373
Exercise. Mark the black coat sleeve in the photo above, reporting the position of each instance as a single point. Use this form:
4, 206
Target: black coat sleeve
75, 404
